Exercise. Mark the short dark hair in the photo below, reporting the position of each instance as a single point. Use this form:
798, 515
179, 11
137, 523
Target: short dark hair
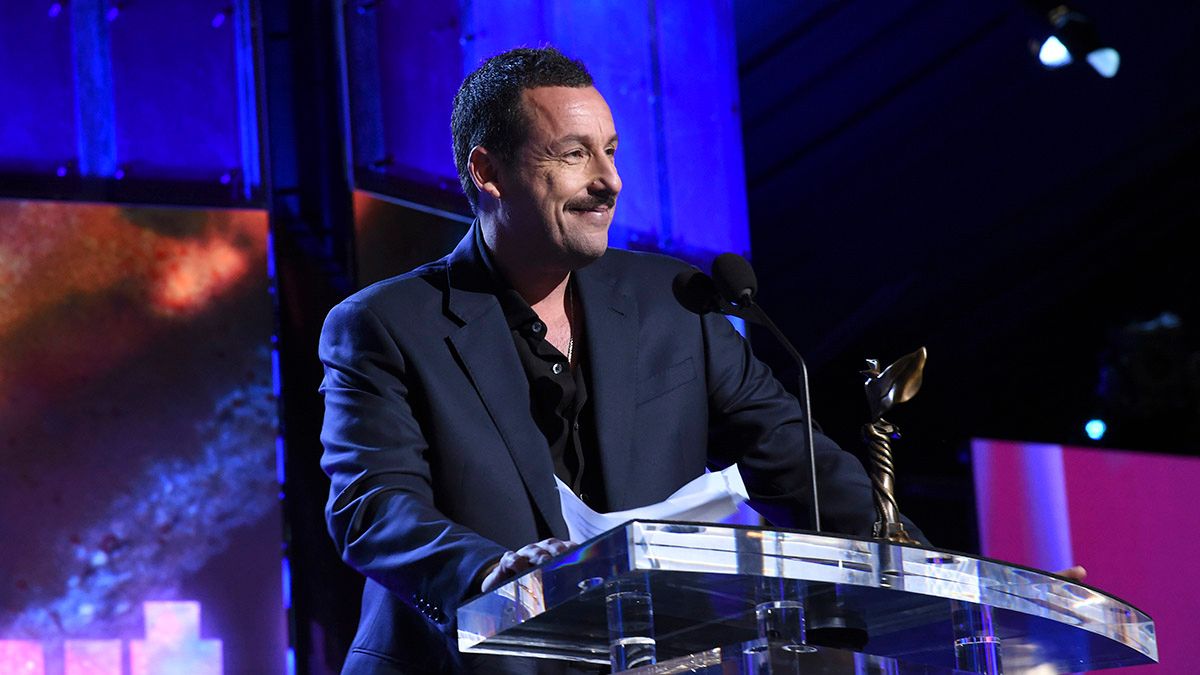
487, 107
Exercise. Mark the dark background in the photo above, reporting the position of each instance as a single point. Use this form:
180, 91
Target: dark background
916, 177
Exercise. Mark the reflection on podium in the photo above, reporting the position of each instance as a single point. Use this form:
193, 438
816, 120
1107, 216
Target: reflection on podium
731, 599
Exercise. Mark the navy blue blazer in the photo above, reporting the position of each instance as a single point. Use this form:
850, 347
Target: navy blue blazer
438, 468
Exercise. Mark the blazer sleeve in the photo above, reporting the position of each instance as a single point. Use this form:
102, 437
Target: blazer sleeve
755, 422
381, 511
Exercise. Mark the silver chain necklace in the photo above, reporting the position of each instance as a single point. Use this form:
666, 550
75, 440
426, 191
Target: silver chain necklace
570, 314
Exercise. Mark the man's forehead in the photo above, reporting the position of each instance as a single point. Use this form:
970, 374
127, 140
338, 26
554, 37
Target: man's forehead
565, 110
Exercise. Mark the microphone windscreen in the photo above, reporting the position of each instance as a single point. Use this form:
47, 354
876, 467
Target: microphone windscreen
695, 291
734, 278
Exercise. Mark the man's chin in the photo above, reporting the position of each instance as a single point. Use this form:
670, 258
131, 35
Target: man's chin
588, 251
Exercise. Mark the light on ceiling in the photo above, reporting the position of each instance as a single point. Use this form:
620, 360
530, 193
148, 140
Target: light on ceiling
1106, 61
1074, 38
1054, 54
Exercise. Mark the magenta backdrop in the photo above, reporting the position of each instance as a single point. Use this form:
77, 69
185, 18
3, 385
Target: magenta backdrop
1125, 516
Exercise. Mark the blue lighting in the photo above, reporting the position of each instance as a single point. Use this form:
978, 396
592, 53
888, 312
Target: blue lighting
280, 463
1106, 61
1054, 53
287, 582
1095, 429
271, 265
738, 324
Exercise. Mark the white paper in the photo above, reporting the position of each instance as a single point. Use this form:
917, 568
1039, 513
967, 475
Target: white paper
708, 498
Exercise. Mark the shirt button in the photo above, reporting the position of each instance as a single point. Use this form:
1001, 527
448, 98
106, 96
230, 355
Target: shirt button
557, 368
576, 425
537, 326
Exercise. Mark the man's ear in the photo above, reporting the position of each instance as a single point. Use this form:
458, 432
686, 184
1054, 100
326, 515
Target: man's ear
484, 169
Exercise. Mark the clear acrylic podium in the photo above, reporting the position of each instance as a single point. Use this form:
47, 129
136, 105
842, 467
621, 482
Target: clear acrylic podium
663, 597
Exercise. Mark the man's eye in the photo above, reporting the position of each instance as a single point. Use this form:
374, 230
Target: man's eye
575, 154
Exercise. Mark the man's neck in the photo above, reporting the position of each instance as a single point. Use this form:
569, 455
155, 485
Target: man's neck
536, 280
544, 286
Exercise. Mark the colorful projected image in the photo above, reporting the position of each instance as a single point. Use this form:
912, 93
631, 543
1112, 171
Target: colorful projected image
139, 517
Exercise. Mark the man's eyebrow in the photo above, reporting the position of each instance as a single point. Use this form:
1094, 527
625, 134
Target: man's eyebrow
583, 139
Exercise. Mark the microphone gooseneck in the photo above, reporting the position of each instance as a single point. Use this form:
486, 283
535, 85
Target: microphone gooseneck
734, 279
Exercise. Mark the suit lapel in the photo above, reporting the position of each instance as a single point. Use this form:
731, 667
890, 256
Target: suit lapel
611, 322
485, 350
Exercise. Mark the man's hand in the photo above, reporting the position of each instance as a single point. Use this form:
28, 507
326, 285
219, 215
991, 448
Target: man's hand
527, 557
1074, 573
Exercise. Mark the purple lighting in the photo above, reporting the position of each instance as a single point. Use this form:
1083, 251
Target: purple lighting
55, 10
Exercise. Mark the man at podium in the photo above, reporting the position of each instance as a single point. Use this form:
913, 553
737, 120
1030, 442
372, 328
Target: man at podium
456, 393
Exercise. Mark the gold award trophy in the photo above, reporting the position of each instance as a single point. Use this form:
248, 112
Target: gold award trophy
896, 384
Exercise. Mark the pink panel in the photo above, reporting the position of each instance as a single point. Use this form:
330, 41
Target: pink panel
173, 645
1135, 527
20, 657
1128, 517
92, 657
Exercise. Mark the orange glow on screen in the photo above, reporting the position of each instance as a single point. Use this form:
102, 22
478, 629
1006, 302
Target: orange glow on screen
175, 260
197, 274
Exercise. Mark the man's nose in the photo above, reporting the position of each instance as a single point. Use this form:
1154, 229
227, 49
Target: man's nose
607, 176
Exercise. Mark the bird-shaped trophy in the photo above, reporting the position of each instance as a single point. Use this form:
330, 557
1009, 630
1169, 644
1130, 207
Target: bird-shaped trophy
897, 383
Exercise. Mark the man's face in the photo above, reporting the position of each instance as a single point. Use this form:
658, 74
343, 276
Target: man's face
558, 196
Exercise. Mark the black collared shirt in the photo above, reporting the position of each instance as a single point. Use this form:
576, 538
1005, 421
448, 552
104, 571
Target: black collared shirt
558, 392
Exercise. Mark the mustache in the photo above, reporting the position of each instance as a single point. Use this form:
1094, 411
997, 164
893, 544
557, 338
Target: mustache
593, 201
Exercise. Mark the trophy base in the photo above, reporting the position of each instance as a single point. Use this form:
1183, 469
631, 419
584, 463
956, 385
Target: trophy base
894, 532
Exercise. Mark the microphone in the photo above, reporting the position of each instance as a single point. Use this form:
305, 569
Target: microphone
735, 281
698, 294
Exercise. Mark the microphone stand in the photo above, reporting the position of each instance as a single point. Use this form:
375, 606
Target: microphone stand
753, 312
698, 293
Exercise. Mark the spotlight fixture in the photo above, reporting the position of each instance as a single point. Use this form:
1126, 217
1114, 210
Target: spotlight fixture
1075, 37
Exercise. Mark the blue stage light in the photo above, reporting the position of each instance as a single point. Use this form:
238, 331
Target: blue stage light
1106, 61
1074, 37
1095, 429
1054, 54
